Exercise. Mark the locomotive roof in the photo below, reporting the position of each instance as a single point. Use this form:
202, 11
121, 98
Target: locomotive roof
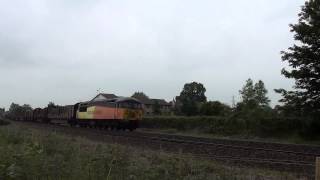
114, 100
122, 99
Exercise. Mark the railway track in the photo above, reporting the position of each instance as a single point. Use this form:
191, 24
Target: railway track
282, 157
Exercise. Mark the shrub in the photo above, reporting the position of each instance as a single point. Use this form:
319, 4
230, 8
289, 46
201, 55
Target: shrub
254, 124
205, 124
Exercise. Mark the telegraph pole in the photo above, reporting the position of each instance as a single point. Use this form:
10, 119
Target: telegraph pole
233, 102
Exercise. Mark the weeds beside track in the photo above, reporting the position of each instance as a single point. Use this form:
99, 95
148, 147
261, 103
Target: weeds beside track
282, 157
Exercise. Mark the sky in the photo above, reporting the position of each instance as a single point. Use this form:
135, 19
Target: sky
68, 51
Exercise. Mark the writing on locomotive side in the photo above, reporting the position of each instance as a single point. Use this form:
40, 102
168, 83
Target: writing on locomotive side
119, 113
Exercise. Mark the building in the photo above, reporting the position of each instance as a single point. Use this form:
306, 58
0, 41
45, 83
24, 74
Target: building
150, 106
103, 96
155, 106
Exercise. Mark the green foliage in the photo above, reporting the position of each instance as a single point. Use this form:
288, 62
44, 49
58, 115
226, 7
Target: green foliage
248, 92
254, 95
3, 122
260, 123
140, 95
303, 57
191, 97
254, 105
261, 94
51, 104
28, 156
204, 124
16, 111
156, 108
214, 108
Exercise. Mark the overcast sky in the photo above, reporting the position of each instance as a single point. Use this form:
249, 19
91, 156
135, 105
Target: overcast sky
63, 51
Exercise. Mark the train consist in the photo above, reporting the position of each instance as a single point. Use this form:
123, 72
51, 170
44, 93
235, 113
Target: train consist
119, 113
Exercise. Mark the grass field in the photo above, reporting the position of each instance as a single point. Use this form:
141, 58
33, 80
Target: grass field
37, 154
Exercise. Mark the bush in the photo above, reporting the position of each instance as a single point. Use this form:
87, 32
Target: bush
279, 127
205, 124
3, 122
310, 129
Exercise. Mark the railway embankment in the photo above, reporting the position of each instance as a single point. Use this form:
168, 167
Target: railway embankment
290, 158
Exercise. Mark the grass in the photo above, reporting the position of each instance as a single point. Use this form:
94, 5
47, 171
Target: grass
4, 122
37, 154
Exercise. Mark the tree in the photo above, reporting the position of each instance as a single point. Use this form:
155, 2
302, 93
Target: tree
16, 111
261, 94
191, 96
248, 94
140, 96
304, 60
51, 104
253, 95
156, 108
13, 107
26, 107
215, 108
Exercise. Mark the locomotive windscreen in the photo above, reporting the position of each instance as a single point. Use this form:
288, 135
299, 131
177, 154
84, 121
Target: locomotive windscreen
130, 105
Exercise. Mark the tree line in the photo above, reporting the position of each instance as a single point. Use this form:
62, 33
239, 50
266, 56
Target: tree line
192, 100
17, 111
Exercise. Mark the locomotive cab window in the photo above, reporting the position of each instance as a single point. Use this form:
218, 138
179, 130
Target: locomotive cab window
130, 105
83, 108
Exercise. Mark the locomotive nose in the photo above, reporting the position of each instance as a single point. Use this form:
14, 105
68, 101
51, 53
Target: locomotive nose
133, 114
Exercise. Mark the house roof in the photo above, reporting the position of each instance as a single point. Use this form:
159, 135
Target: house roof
115, 100
108, 96
143, 100
161, 102
148, 101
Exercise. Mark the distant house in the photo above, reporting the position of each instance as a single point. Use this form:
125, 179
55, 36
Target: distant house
150, 106
103, 96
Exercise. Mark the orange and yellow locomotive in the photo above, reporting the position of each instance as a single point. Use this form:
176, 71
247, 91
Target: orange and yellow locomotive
119, 113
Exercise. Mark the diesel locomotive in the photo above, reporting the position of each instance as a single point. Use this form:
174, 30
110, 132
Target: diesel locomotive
118, 113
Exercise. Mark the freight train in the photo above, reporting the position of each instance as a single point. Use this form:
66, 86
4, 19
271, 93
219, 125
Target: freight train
116, 113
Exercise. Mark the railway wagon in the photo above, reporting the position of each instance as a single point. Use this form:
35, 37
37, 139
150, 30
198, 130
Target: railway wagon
40, 115
28, 115
61, 112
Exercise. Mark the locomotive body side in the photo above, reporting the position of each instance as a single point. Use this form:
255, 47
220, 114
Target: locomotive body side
120, 112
